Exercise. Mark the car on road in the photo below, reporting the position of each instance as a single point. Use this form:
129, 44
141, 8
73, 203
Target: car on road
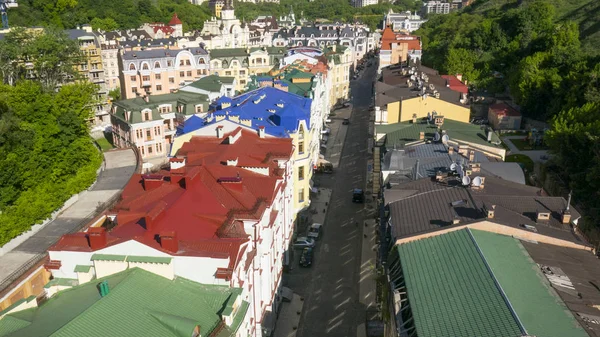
346, 121
326, 131
328, 120
304, 242
314, 231
358, 195
306, 258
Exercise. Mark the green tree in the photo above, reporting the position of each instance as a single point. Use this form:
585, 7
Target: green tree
106, 24
46, 154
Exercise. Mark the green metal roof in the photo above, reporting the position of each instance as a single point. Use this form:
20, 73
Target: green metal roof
139, 303
451, 292
400, 134
181, 98
16, 304
211, 83
65, 282
11, 324
237, 52
539, 308
82, 269
107, 257
148, 259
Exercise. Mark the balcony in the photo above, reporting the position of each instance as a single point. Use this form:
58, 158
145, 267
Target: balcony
146, 84
169, 131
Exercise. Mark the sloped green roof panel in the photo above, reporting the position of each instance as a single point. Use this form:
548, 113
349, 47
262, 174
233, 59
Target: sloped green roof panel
451, 292
108, 257
139, 303
82, 269
9, 324
539, 308
148, 259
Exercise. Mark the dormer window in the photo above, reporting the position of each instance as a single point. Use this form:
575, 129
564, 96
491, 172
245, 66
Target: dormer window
131, 66
145, 66
157, 65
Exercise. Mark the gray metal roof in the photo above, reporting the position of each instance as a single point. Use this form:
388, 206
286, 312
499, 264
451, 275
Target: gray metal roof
160, 53
508, 171
427, 208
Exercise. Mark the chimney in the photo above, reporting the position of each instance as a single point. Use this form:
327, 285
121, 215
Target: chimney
450, 150
103, 288
459, 77
146, 98
97, 237
414, 118
176, 163
416, 172
261, 131
421, 135
471, 155
543, 216
220, 131
169, 242
177, 176
566, 214
490, 212
455, 221
151, 181
489, 135
438, 176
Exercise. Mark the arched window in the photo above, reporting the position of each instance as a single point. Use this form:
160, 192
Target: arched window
131, 66
156, 65
299, 43
225, 64
201, 61
145, 66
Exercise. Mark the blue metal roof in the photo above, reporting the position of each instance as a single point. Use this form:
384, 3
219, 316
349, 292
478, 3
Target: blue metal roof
191, 124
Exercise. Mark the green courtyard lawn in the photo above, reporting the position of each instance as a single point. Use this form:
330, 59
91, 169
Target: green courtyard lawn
523, 145
105, 144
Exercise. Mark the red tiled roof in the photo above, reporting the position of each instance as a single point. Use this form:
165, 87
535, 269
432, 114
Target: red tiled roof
504, 109
203, 211
455, 84
389, 37
175, 20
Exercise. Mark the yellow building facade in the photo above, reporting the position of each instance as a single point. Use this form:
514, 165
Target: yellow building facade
404, 110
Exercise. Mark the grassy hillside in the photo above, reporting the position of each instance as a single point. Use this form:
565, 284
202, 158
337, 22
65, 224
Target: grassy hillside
586, 13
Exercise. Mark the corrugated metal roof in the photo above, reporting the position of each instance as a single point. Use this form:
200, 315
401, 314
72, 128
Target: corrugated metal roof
538, 307
139, 303
450, 290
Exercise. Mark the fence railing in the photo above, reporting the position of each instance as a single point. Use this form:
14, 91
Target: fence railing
102, 207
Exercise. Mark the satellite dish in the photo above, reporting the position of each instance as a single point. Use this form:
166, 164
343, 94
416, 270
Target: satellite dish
453, 167
437, 137
477, 181
466, 180
445, 139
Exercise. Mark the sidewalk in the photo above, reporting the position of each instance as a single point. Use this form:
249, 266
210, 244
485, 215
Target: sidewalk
119, 165
535, 155
289, 317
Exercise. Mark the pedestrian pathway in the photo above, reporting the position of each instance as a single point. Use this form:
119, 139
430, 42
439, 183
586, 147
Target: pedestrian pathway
289, 317
119, 165
535, 155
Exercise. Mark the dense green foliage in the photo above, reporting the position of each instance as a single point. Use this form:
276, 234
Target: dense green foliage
51, 57
124, 14
325, 9
522, 48
46, 154
107, 14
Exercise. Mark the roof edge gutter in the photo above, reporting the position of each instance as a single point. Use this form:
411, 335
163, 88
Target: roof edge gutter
506, 300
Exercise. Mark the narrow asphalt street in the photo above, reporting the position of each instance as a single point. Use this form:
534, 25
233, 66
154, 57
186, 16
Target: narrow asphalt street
330, 287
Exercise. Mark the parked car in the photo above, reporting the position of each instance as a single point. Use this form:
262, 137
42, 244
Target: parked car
358, 195
304, 242
306, 258
326, 131
328, 120
314, 231
346, 121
